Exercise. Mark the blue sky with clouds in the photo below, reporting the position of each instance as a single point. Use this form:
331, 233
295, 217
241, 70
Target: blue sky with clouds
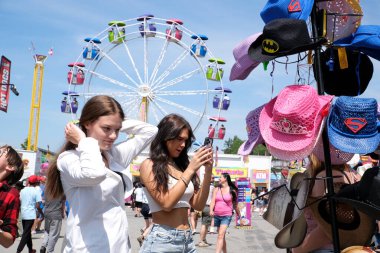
64, 24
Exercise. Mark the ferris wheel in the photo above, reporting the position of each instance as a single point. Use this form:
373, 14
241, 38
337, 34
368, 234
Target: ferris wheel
153, 67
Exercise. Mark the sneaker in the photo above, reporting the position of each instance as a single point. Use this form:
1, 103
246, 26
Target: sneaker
202, 244
33, 232
140, 239
43, 249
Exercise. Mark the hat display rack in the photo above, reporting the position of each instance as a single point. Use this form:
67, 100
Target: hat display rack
325, 140
321, 31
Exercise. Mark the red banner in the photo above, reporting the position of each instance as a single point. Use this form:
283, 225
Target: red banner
5, 77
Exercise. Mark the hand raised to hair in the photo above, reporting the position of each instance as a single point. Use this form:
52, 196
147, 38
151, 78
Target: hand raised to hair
73, 133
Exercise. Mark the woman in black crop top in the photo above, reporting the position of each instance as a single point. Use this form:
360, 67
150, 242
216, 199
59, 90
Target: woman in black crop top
172, 185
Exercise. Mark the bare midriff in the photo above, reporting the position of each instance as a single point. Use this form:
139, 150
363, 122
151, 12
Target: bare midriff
176, 218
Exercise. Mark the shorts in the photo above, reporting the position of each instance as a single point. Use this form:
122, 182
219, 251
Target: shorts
145, 211
163, 238
206, 218
222, 220
138, 204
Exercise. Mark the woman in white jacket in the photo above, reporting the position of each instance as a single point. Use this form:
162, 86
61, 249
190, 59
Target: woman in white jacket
93, 173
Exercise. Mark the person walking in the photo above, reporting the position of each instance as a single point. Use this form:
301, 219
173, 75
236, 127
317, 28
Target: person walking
138, 199
30, 206
145, 211
11, 171
93, 173
206, 218
54, 213
172, 185
223, 204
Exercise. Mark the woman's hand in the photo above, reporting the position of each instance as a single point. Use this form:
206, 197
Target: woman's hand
211, 213
73, 133
202, 157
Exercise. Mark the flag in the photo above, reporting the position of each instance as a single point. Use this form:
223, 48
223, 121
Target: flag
51, 52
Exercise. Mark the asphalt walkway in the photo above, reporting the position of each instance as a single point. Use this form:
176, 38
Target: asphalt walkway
258, 239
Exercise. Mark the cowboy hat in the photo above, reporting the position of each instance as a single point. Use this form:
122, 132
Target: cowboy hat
295, 9
293, 233
244, 64
364, 195
366, 39
341, 26
354, 226
337, 156
358, 249
350, 81
254, 135
282, 37
291, 123
352, 125
281, 205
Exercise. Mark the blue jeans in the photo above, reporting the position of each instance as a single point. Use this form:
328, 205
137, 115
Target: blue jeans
166, 239
222, 220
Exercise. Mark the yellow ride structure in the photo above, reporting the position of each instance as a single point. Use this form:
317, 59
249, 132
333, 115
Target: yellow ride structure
35, 107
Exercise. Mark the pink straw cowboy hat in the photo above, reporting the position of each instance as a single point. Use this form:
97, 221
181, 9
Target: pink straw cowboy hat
291, 122
254, 136
244, 64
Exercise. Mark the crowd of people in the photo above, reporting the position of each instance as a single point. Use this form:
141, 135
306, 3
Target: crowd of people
89, 180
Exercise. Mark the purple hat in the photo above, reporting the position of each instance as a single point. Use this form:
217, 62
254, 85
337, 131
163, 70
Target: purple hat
254, 135
244, 64
295, 9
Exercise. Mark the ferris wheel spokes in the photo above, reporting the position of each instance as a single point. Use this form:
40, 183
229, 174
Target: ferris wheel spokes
184, 108
106, 78
155, 114
132, 61
182, 92
121, 69
159, 60
176, 80
167, 72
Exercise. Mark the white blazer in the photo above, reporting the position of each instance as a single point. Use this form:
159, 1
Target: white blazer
97, 221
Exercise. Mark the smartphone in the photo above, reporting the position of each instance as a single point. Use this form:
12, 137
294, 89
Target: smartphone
208, 142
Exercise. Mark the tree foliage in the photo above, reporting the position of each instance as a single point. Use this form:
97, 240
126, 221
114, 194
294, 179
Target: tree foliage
24, 146
231, 146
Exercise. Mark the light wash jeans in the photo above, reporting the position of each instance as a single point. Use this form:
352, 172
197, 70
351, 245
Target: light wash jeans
165, 239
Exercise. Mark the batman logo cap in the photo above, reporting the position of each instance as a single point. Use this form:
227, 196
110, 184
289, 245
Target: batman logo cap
282, 37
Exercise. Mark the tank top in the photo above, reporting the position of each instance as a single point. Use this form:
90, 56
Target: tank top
223, 204
183, 202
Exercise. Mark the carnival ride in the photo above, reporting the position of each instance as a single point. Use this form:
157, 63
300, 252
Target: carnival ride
35, 107
153, 67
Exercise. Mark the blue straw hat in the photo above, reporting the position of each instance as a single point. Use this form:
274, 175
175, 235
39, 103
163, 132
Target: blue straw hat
366, 39
352, 125
295, 9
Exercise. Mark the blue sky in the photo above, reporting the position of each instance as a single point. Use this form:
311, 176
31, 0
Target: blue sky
64, 24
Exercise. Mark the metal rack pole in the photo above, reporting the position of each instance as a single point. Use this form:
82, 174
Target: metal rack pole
326, 148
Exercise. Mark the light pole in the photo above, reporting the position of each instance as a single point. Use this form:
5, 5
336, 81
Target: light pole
13, 88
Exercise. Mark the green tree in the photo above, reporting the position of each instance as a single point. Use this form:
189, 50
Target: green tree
24, 146
231, 146
260, 150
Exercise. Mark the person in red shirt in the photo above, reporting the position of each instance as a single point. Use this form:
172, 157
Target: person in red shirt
11, 171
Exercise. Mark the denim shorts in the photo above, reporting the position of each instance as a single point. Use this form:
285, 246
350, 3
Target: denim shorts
222, 220
166, 239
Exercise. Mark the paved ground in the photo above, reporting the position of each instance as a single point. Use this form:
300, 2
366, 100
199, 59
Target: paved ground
258, 239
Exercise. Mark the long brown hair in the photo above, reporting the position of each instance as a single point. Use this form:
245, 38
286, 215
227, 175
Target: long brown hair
170, 128
95, 107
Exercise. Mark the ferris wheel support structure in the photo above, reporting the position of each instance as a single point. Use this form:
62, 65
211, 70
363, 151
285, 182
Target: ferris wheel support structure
35, 107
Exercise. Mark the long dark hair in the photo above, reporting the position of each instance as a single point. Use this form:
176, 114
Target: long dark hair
95, 107
170, 128
233, 188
